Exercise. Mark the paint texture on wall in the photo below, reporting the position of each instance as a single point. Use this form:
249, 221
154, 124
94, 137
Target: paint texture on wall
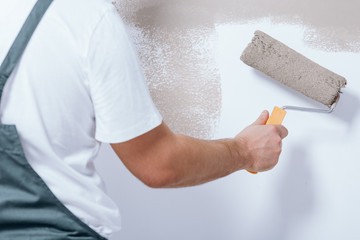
178, 58
176, 40
331, 25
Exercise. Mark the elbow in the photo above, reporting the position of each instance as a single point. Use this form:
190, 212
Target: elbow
160, 168
159, 172
160, 178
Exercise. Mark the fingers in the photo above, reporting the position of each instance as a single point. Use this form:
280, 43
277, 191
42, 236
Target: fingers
261, 144
262, 118
282, 131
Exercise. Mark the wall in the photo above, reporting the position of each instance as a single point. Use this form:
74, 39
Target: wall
190, 52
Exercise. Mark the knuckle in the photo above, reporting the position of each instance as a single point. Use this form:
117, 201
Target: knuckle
273, 129
275, 158
277, 149
275, 161
284, 131
278, 141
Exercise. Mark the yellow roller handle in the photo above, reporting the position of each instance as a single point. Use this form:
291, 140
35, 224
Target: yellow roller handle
277, 116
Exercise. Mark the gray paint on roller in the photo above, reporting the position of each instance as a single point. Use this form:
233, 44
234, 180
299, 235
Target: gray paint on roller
292, 69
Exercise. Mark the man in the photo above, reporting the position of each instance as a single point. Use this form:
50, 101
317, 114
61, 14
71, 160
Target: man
78, 84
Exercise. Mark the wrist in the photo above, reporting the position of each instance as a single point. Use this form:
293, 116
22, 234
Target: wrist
236, 149
241, 153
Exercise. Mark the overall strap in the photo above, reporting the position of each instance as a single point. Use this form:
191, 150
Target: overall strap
21, 41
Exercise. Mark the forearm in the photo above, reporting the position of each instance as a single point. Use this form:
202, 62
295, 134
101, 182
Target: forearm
160, 158
195, 161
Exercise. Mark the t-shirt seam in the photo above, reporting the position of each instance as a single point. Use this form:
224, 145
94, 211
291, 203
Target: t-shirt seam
86, 53
86, 68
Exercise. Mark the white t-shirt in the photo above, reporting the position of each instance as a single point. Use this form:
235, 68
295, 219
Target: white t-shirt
78, 83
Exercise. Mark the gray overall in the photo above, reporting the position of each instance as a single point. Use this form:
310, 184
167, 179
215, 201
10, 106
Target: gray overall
28, 209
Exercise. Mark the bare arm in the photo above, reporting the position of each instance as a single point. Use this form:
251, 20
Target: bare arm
161, 158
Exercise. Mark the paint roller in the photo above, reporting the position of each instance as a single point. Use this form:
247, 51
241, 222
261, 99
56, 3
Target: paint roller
294, 70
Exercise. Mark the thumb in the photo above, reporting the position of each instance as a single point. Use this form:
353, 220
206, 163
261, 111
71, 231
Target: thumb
262, 118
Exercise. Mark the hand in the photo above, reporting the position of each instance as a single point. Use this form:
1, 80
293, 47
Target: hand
259, 145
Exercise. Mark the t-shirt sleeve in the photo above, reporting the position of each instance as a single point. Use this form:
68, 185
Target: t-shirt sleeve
122, 103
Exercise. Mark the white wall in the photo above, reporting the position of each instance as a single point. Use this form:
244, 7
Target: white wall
313, 192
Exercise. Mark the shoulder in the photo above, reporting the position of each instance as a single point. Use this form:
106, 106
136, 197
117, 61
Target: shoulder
83, 8
76, 21
81, 15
